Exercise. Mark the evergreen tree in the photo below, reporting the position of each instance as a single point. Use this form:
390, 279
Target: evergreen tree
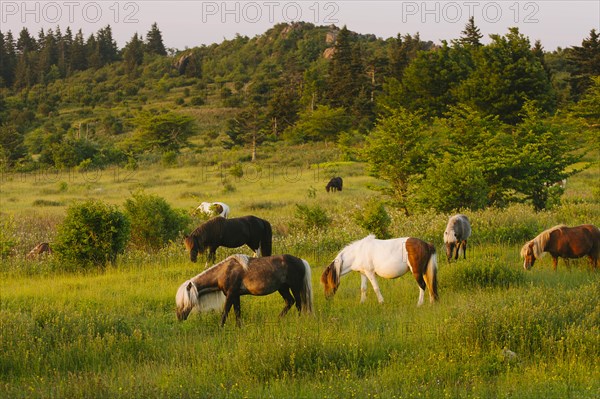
78, 59
8, 59
26, 60
47, 56
154, 41
586, 61
507, 74
471, 36
133, 53
106, 46
341, 88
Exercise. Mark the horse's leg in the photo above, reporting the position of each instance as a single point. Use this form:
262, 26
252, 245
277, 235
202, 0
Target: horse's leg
422, 286
288, 298
554, 262
212, 255
363, 288
457, 250
226, 309
465, 249
237, 310
371, 276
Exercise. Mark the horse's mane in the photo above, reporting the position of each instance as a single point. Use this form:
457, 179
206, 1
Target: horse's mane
539, 242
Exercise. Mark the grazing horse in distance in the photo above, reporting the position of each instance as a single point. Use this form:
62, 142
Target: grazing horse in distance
231, 233
455, 236
214, 209
565, 242
335, 184
38, 250
386, 258
238, 275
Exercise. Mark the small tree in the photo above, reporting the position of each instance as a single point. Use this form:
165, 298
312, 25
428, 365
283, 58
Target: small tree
397, 150
153, 222
163, 132
374, 218
92, 234
453, 184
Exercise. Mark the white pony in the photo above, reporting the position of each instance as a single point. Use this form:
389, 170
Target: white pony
456, 234
214, 209
385, 258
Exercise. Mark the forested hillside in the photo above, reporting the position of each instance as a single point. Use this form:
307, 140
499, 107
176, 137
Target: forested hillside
509, 118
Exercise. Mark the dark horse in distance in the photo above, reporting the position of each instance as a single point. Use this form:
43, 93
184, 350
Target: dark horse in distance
231, 233
335, 184
565, 242
240, 275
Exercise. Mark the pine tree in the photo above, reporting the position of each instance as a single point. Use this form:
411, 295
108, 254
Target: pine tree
107, 47
8, 59
78, 59
154, 41
133, 53
471, 36
586, 60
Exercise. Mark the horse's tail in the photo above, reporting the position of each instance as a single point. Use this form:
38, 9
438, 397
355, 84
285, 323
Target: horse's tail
431, 274
306, 294
266, 243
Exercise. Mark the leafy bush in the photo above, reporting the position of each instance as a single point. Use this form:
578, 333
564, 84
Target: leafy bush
453, 184
153, 222
7, 236
312, 216
92, 234
374, 218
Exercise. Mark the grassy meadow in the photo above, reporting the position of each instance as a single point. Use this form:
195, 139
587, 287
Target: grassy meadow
497, 330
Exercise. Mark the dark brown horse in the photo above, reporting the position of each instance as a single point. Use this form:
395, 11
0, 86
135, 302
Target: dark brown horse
335, 184
564, 242
240, 275
231, 233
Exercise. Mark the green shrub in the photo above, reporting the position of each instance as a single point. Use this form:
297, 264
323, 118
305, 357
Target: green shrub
485, 273
312, 216
8, 239
153, 222
374, 218
92, 234
197, 101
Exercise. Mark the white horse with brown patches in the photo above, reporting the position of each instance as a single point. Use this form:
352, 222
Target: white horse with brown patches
385, 258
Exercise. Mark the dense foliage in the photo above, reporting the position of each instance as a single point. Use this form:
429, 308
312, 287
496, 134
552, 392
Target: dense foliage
93, 233
154, 223
68, 102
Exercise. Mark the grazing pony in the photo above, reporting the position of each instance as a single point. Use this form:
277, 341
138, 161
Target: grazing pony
335, 184
231, 233
565, 242
385, 258
214, 209
39, 250
238, 275
455, 236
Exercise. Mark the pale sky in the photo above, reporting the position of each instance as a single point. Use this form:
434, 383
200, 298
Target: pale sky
192, 23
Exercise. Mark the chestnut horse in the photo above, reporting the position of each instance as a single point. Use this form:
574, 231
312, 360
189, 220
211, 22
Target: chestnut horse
238, 275
385, 258
564, 242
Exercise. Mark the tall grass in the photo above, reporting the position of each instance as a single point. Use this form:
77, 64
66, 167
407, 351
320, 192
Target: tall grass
497, 330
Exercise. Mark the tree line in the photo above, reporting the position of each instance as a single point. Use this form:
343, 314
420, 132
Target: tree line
503, 116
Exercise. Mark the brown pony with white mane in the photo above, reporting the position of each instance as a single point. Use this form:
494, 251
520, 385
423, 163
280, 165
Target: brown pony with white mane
564, 242
238, 275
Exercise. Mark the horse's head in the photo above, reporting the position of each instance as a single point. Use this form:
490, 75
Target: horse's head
193, 245
528, 255
330, 278
186, 299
